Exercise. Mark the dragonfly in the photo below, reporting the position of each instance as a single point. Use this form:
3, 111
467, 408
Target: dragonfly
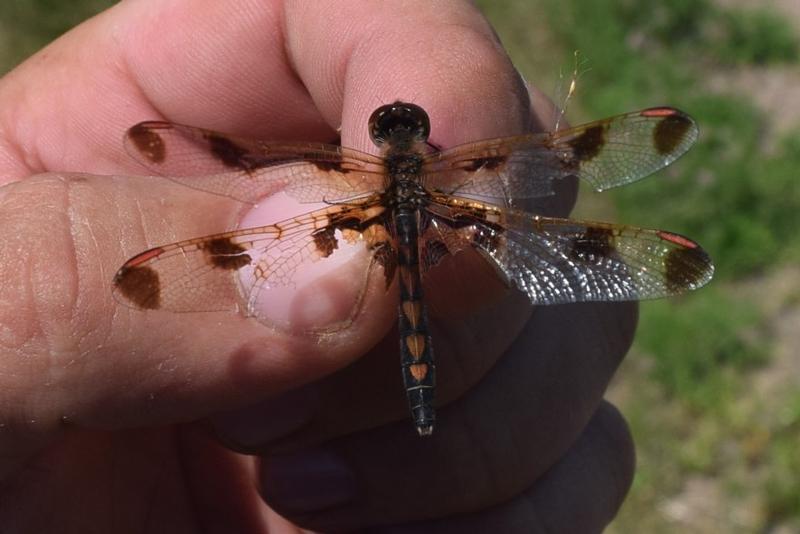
410, 207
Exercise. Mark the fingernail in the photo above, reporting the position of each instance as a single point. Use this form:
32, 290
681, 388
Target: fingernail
257, 425
308, 295
307, 482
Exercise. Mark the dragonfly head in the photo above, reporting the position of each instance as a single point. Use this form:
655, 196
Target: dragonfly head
399, 122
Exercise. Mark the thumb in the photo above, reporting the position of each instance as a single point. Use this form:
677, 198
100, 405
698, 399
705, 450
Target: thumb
72, 353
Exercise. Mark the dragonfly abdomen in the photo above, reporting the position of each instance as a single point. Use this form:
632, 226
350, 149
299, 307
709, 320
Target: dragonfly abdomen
416, 352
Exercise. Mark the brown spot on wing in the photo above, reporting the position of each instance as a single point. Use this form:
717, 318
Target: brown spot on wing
587, 145
148, 142
435, 251
595, 243
488, 163
386, 258
376, 234
228, 152
328, 164
684, 267
670, 132
140, 285
353, 222
225, 254
325, 241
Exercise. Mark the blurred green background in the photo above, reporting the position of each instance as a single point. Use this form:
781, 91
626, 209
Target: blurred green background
711, 387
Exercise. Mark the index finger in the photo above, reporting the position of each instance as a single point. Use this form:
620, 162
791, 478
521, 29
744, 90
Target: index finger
259, 68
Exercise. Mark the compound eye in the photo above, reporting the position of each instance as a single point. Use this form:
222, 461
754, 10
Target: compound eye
399, 120
377, 124
423, 123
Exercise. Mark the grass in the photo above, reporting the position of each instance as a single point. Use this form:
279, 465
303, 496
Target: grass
689, 363
754, 37
688, 385
782, 484
696, 420
27, 25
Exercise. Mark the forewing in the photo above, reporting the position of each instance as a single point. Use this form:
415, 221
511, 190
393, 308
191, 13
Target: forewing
248, 170
556, 261
227, 271
607, 153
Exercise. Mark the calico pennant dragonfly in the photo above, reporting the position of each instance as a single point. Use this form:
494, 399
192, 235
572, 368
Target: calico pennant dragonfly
409, 208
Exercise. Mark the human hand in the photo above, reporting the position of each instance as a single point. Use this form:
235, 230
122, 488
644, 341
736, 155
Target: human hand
98, 401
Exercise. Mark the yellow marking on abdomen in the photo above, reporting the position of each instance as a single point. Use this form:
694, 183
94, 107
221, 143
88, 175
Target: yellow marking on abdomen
419, 371
416, 345
412, 309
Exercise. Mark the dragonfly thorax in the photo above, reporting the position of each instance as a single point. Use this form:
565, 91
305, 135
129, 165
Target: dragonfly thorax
403, 165
406, 194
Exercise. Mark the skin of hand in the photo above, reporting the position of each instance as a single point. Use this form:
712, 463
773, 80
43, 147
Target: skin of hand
111, 418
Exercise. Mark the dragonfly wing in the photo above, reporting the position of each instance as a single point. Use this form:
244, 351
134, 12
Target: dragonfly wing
606, 153
234, 270
556, 261
248, 170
